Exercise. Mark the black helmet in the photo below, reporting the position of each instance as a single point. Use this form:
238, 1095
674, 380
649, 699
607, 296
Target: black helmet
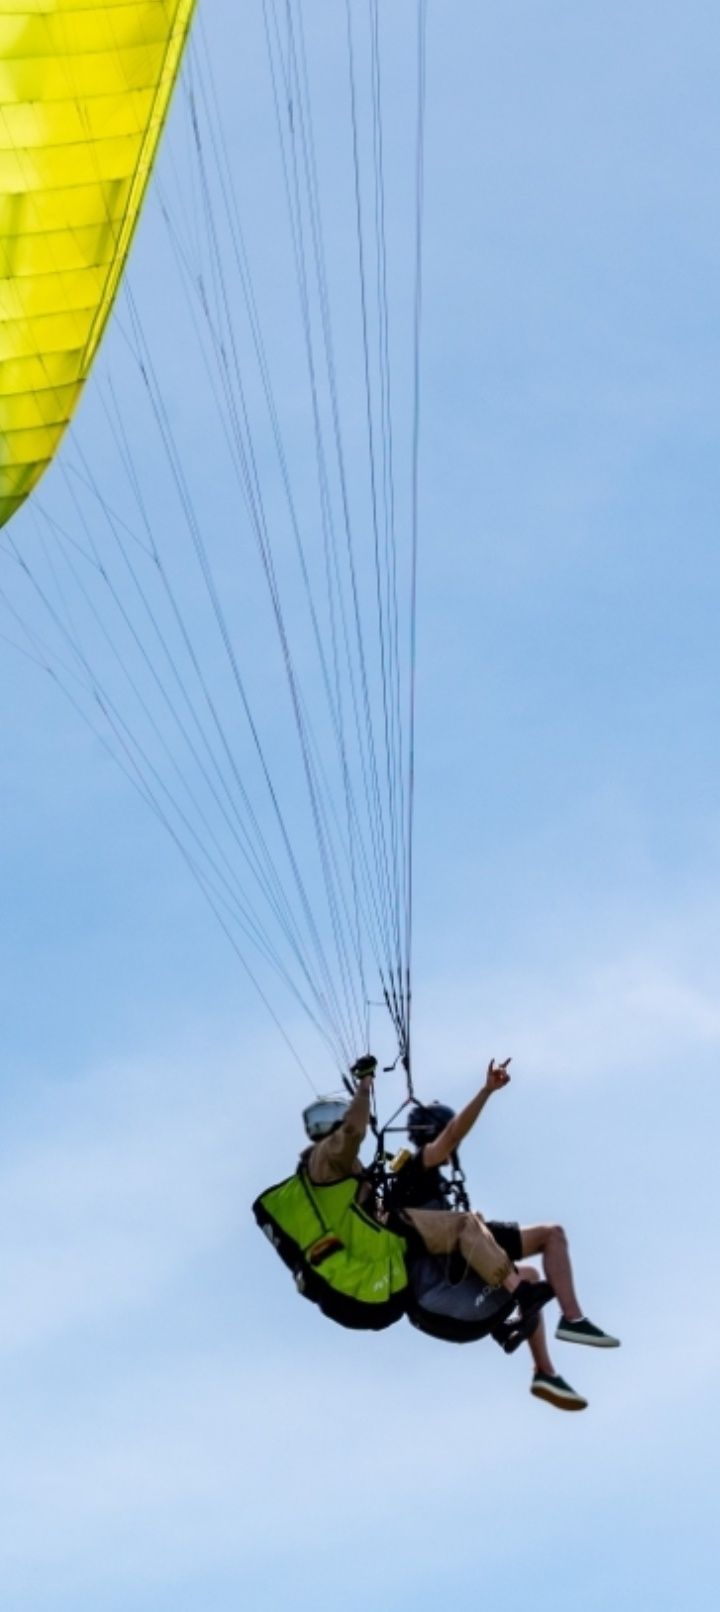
426, 1121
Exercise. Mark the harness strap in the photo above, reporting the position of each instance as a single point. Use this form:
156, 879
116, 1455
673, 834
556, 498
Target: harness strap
312, 1200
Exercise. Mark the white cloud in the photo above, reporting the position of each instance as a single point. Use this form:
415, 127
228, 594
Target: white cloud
116, 1184
643, 994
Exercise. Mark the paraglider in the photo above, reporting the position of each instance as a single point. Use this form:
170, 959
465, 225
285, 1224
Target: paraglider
455, 1275
322, 1221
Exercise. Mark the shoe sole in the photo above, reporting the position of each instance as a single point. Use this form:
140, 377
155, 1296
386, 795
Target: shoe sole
558, 1400
590, 1343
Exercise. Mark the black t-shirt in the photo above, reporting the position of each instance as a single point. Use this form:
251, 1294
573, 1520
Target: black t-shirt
415, 1187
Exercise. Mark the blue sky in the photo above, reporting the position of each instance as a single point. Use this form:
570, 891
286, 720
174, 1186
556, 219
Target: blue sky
178, 1430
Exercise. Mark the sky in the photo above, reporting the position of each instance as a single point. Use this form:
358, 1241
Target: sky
178, 1430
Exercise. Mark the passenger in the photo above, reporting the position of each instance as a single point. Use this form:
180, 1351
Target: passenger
418, 1193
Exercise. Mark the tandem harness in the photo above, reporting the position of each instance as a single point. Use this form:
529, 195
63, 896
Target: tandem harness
342, 1260
366, 1276
446, 1298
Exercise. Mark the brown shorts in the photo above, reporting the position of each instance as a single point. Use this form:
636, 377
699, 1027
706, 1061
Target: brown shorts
447, 1231
507, 1234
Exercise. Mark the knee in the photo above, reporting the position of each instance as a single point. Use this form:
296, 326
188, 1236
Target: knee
556, 1238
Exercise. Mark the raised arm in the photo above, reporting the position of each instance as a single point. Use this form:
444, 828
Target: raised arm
335, 1157
439, 1151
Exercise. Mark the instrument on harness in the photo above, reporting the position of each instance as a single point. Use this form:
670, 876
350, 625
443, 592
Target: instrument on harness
341, 1259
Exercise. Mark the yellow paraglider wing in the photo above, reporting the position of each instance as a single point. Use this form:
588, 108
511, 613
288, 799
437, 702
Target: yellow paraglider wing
84, 89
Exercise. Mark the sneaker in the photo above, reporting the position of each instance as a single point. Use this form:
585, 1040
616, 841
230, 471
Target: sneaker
583, 1331
557, 1392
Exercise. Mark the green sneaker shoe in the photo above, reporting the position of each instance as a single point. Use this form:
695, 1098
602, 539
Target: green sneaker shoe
557, 1392
583, 1331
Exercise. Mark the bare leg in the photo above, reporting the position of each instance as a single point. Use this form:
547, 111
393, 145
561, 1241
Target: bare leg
537, 1344
550, 1241
558, 1392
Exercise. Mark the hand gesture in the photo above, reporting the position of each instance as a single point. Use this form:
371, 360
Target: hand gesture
497, 1075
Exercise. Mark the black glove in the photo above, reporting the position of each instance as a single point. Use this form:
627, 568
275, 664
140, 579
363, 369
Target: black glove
364, 1066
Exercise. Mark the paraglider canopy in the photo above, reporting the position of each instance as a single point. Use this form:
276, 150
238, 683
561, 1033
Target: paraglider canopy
84, 92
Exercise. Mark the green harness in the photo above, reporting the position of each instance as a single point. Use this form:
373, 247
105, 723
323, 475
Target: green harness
341, 1259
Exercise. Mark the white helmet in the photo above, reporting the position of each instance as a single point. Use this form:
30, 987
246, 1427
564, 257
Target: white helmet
324, 1115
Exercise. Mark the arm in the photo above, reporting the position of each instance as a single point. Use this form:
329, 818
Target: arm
439, 1151
335, 1157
